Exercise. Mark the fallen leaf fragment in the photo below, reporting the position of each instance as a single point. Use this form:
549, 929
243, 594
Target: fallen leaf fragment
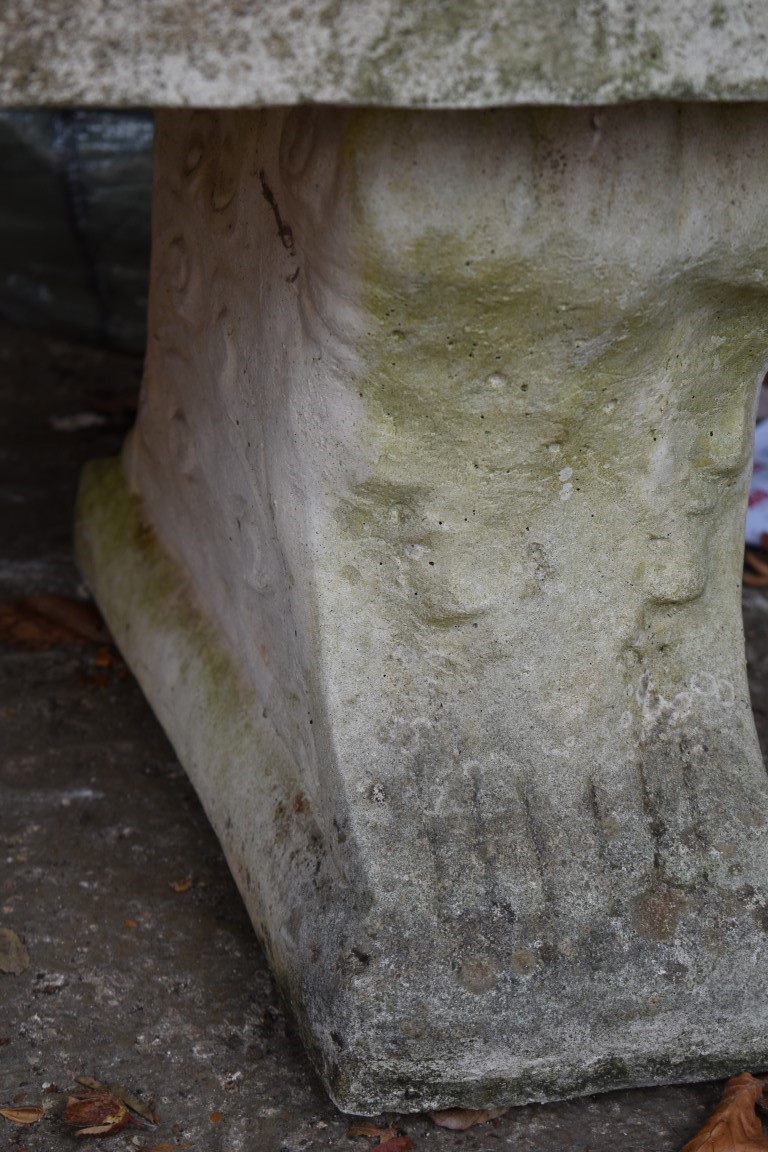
37, 623
181, 885
399, 1144
28, 1114
96, 1114
165, 1146
98, 680
216, 1117
14, 958
755, 569
459, 1119
108, 658
133, 1102
752, 580
756, 564
372, 1132
129, 923
734, 1126
121, 1093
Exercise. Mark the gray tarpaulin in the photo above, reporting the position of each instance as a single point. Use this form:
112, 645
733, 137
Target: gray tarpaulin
75, 195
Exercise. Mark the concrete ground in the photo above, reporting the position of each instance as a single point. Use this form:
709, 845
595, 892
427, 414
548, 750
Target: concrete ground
143, 968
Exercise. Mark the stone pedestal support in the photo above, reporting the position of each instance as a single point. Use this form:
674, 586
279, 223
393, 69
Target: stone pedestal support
426, 550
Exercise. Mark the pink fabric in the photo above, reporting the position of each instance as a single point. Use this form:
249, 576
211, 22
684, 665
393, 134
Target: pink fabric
757, 511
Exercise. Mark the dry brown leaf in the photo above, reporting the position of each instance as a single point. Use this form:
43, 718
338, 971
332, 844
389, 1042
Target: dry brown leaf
129, 923
216, 1117
108, 658
755, 573
182, 885
37, 623
80, 618
14, 958
133, 1102
372, 1132
752, 580
398, 1144
756, 560
734, 1126
27, 1114
97, 680
459, 1119
96, 1114
123, 1094
165, 1146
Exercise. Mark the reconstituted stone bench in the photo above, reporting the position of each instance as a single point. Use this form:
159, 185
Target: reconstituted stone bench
426, 546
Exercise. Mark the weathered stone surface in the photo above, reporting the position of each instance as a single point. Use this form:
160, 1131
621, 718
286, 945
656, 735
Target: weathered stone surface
423, 53
431, 571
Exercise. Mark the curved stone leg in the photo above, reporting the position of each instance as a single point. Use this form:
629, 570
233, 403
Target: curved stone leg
426, 549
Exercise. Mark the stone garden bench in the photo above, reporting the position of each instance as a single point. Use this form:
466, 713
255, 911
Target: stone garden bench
426, 545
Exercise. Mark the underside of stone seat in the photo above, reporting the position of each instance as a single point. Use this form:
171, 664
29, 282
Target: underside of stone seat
426, 550
407, 53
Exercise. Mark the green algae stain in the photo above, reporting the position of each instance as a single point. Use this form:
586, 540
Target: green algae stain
229, 752
139, 586
524, 384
